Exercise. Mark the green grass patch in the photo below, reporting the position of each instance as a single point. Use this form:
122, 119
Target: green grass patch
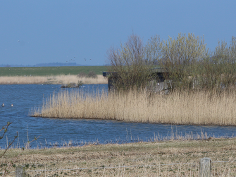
47, 71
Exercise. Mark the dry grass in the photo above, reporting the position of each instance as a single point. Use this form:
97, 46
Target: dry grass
60, 79
135, 159
199, 108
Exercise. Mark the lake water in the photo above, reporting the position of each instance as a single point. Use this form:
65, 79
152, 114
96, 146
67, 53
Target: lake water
78, 131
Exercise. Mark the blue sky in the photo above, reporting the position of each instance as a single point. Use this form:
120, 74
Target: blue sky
50, 31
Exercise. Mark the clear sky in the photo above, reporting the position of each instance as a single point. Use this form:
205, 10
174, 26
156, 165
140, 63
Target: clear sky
50, 31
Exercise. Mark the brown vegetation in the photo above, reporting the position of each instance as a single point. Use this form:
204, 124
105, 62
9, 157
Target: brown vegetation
199, 108
60, 79
167, 158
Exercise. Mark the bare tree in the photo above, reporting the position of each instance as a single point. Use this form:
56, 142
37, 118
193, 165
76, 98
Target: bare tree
4, 129
129, 63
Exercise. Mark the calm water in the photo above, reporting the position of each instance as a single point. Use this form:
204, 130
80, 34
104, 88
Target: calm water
78, 131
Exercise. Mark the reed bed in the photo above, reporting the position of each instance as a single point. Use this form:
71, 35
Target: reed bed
197, 108
59, 79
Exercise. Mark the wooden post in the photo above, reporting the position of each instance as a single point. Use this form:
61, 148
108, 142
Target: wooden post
205, 167
20, 171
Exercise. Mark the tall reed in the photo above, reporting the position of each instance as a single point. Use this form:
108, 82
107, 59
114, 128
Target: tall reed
198, 108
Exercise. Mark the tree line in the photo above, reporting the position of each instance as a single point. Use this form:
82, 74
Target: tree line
187, 60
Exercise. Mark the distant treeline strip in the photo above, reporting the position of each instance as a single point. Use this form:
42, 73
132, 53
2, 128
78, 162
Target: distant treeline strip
47, 71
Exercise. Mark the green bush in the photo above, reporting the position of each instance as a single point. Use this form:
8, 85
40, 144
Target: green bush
193, 67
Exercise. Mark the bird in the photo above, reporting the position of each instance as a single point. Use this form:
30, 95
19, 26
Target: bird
3, 105
11, 105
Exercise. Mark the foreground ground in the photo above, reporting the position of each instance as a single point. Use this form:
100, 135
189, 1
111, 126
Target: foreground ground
167, 158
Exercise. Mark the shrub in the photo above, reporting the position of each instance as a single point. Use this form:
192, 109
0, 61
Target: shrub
92, 74
80, 83
130, 65
181, 57
82, 74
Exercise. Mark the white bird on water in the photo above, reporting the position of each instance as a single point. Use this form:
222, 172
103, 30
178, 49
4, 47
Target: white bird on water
11, 105
3, 105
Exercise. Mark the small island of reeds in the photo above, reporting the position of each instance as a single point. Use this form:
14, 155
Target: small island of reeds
196, 108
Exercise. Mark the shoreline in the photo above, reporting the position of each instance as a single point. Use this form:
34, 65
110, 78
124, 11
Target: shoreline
54, 79
162, 123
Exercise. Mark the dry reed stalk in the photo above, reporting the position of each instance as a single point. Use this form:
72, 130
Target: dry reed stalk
59, 79
199, 108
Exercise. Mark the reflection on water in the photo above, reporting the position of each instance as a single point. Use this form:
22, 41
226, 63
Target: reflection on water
79, 131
